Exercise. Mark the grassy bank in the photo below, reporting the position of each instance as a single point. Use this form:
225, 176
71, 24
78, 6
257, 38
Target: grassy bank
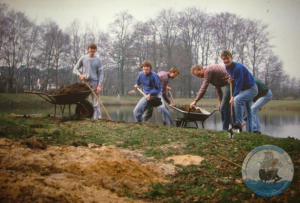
29, 100
214, 180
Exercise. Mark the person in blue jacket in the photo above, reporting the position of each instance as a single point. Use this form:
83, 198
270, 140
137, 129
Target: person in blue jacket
244, 92
150, 82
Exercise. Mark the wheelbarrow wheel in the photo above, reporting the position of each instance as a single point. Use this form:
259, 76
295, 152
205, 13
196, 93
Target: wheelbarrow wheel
84, 109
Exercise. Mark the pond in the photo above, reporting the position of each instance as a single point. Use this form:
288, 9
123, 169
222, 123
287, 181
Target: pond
274, 123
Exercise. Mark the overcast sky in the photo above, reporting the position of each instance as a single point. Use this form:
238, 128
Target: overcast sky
282, 16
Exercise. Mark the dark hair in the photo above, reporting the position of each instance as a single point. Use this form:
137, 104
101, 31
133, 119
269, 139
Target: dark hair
174, 69
146, 64
92, 46
226, 53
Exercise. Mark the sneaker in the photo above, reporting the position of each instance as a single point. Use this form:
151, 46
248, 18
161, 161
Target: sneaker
237, 127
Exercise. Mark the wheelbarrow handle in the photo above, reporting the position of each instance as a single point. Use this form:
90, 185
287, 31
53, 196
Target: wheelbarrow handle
215, 110
34, 92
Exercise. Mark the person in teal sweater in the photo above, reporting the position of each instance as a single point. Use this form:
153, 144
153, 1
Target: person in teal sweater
264, 96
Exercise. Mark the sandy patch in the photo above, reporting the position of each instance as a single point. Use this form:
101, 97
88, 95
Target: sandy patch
186, 160
73, 174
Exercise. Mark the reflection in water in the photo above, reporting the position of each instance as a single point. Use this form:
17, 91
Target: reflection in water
276, 124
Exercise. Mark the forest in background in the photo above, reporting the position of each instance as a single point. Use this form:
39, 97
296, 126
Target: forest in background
32, 53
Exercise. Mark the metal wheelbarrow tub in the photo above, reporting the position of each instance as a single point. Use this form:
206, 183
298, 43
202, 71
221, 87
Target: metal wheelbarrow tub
187, 116
80, 99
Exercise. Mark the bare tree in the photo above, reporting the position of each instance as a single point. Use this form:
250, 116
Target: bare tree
16, 31
61, 47
227, 29
274, 74
47, 48
188, 35
31, 51
121, 30
75, 39
166, 26
258, 45
142, 41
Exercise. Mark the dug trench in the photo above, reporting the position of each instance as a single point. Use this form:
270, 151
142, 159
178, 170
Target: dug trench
33, 172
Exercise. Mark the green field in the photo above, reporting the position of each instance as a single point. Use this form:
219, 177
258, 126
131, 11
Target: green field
214, 180
29, 100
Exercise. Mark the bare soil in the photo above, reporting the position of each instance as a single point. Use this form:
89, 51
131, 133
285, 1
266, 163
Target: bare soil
75, 88
33, 172
188, 109
186, 160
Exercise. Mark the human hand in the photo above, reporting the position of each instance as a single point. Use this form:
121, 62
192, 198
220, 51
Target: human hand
231, 101
230, 80
99, 88
193, 104
148, 97
81, 77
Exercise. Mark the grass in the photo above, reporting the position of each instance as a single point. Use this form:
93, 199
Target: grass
28, 100
214, 180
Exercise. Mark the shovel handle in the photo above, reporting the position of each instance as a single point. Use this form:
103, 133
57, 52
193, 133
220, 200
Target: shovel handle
141, 91
171, 96
231, 105
98, 99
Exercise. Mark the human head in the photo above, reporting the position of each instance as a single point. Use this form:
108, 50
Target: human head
226, 56
173, 72
92, 48
198, 71
146, 66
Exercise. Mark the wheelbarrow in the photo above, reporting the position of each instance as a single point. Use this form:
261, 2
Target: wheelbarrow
187, 116
83, 107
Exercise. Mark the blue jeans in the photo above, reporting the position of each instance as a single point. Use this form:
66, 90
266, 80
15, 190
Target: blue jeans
225, 108
244, 99
143, 107
97, 112
255, 108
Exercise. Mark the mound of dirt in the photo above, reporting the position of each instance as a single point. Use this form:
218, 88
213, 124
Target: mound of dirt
75, 174
35, 143
75, 88
186, 160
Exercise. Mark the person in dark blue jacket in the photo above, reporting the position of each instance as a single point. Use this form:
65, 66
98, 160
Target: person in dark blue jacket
244, 92
152, 87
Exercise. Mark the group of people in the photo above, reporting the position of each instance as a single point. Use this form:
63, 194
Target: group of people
246, 89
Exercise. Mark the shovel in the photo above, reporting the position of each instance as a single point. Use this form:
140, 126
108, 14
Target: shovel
231, 105
171, 96
233, 128
154, 101
98, 99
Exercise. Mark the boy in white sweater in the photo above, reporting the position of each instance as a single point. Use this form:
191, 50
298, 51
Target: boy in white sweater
92, 72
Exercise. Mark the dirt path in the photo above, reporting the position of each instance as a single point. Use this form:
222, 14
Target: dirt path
67, 173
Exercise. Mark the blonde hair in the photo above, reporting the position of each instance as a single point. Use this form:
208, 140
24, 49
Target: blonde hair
226, 53
196, 67
174, 69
